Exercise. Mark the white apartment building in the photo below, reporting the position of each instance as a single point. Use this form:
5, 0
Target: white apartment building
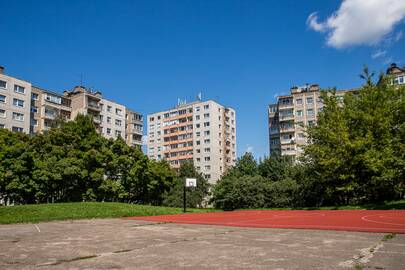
15, 103
203, 132
30, 109
112, 116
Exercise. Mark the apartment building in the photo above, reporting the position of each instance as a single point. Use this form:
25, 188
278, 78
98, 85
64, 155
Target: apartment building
133, 128
15, 99
30, 109
292, 113
289, 117
202, 131
396, 74
46, 108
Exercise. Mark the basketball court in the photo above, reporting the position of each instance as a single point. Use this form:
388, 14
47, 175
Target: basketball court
384, 221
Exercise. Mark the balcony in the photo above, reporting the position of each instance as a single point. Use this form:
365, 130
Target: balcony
287, 129
287, 117
287, 141
94, 106
96, 119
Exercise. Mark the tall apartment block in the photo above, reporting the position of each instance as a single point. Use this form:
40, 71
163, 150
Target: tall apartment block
203, 132
15, 99
30, 109
291, 114
289, 117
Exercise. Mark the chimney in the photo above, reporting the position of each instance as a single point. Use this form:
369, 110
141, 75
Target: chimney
1, 70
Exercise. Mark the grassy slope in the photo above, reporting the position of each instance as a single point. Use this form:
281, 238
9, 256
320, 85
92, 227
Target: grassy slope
63, 211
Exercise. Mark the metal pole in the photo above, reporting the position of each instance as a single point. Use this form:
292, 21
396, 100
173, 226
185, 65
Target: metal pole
184, 198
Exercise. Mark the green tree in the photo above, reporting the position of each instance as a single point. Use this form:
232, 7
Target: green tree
195, 197
357, 145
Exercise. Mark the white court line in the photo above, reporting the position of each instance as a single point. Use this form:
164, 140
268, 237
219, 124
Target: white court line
365, 218
37, 228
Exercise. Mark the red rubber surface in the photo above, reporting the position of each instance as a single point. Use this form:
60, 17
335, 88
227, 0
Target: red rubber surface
388, 221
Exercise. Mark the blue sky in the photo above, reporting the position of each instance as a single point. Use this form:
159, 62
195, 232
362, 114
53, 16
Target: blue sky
146, 54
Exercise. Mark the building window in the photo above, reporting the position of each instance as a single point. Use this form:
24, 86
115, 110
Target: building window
118, 122
197, 117
298, 101
207, 141
207, 167
207, 158
311, 123
299, 113
2, 113
206, 115
108, 130
301, 135
310, 100
53, 99
2, 99
109, 108
208, 176
206, 124
1, 126
197, 125
197, 134
18, 102
207, 150
310, 112
206, 133
34, 109
17, 129
197, 109
34, 96
197, 142
34, 122
118, 111
3, 84
19, 89
18, 116
117, 133
108, 119
206, 107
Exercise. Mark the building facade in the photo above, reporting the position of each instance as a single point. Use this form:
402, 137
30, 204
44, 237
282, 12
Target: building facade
289, 117
15, 99
30, 109
396, 74
203, 132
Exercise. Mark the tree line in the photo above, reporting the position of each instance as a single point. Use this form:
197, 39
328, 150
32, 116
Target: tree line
355, 155
72, 162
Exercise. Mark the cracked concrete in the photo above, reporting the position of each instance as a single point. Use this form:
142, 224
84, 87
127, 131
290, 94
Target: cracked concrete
130, 244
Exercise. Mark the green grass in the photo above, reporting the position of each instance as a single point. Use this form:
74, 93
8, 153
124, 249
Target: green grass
66, 211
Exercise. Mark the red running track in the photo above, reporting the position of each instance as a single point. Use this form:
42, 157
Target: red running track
387, 221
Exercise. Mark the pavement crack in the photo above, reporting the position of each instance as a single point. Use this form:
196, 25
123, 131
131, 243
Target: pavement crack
360, 260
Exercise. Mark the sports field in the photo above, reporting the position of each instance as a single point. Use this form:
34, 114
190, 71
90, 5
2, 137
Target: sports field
390, 221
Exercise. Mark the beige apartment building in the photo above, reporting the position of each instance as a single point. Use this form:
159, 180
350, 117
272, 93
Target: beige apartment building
15, 99
202, 131
289, 117
30, 109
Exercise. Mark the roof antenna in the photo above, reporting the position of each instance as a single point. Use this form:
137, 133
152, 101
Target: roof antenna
199, 96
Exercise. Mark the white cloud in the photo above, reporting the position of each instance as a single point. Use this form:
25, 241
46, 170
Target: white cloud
360, 22
378, 54
249, 149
